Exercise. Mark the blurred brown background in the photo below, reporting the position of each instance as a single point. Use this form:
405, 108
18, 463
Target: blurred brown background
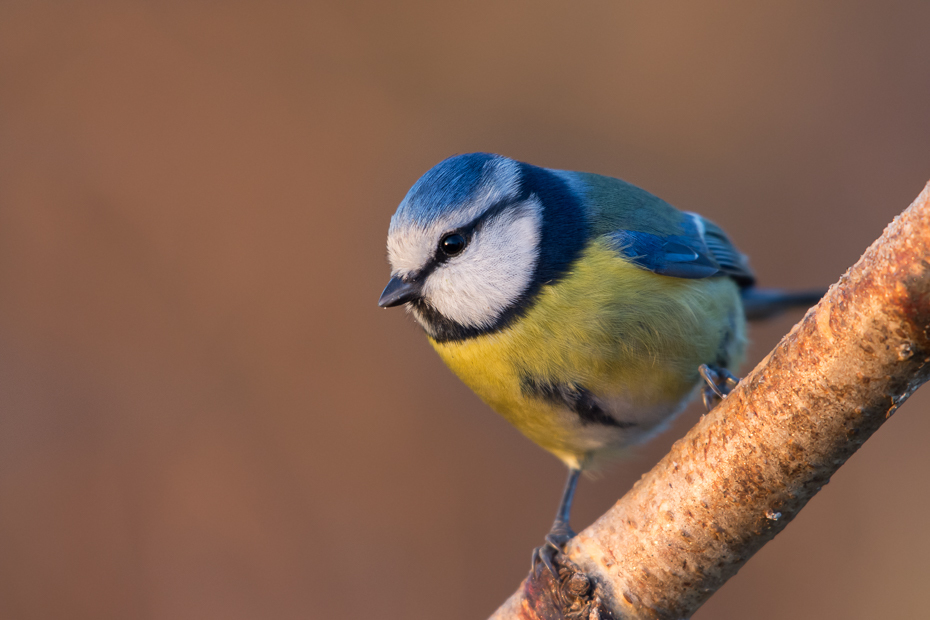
203, 413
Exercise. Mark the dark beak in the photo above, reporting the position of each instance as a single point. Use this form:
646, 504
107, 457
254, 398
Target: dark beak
398, 292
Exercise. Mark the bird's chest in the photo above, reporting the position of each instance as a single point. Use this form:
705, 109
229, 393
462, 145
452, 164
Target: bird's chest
573, 394
593, 375
602, 359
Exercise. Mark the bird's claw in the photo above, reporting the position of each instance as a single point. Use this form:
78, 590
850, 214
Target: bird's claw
556, 540
545, 556
718, 382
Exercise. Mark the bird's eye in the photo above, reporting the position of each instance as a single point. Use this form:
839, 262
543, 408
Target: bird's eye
452, 244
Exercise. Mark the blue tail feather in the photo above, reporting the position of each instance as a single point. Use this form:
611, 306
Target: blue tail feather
767, 302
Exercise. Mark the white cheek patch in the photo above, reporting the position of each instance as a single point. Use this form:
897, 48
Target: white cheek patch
411, 245
497, 266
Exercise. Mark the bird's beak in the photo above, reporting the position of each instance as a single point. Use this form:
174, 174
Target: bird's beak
398, 292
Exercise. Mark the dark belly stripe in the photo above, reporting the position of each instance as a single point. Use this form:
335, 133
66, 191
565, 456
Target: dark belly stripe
574, 397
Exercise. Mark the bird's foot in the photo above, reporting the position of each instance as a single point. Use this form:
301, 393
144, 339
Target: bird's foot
718, 383
556, 540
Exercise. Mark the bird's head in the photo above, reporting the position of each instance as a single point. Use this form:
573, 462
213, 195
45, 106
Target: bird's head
468, 244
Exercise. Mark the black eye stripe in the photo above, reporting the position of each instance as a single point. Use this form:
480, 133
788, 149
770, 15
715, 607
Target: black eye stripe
468, 232
489, 213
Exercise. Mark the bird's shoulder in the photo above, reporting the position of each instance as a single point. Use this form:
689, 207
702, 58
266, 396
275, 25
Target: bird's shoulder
653, 234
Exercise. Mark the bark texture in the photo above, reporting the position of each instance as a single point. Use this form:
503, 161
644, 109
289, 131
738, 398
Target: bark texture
747, 468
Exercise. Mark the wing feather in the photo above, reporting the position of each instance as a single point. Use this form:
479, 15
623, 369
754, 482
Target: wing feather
701, 250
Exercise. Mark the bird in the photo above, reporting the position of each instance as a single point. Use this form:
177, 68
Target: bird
586, 311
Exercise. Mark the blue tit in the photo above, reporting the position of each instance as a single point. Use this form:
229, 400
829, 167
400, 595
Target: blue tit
580, 307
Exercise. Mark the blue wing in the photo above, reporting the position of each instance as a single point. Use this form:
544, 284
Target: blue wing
701, 250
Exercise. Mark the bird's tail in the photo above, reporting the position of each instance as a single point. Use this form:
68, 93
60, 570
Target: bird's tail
767, 302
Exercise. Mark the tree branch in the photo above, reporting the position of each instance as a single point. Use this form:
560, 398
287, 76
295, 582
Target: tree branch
746, 469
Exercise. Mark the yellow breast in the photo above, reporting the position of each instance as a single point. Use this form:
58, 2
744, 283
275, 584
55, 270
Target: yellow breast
630, 339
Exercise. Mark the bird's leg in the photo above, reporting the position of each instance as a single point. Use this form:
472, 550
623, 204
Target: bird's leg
561, 532
718, 383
